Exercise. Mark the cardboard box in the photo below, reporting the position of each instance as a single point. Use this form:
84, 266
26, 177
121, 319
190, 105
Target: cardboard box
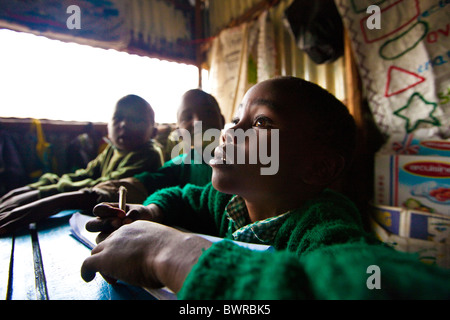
414, 182
422, 143
413, 224
429, 252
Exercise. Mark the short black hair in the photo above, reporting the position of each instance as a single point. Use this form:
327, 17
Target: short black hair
137, 101
205, 97
333, 126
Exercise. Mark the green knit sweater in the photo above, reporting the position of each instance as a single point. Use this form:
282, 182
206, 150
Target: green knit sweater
339, 271
329, 218
176, 172
111, 164
321, 252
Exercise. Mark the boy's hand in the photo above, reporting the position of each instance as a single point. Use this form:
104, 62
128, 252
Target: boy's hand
15, 219
110, 217
146, 254
17, 198
14, 193
22, 216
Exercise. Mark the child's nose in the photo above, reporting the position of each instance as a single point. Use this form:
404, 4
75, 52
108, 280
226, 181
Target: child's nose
124, 123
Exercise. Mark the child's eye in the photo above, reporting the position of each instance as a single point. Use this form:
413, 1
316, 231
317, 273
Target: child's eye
262, 122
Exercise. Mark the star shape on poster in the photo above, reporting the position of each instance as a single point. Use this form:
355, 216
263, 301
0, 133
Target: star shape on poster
413, 112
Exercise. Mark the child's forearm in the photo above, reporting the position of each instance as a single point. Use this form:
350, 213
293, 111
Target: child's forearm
44, 208
68, 200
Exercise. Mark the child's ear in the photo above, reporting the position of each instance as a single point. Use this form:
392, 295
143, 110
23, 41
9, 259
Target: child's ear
154, 133
325, 169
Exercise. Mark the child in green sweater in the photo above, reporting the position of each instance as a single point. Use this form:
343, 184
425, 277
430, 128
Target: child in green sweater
131, 150
196, 105
322, 250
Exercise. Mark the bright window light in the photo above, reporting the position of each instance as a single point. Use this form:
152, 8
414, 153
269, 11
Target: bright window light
49, 79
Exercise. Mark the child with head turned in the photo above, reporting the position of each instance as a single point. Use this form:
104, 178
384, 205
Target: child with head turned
315, 140
130, 150
196, 107
321, 250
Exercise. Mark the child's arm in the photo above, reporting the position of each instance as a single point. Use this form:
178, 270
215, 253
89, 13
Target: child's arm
104, 168
175, 206
146, 254
152, 255
195, 208
110, 217
43, 208
14, 192
17, 198
342, 272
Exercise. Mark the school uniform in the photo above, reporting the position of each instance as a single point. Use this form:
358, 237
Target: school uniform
110, 164
328, 218
179, 171
355, 270
321, 252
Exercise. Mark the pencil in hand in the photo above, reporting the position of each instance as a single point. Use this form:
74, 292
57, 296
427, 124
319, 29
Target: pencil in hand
123, 198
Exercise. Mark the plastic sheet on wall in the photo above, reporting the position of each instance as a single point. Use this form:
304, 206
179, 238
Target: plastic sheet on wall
91, 22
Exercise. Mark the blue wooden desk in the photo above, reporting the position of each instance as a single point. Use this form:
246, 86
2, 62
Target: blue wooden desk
44, 264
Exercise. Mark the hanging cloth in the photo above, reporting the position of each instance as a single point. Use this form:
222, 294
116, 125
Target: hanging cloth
317, 28
43, 149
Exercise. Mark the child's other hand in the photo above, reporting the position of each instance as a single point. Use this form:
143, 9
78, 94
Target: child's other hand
17, 198
110, 217
146, 254
20, 217
13, 193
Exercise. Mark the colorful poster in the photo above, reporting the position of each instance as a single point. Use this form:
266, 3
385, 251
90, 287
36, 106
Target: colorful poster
402, 48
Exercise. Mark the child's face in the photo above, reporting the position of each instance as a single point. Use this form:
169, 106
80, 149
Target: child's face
194, 109
130, 127
266, 107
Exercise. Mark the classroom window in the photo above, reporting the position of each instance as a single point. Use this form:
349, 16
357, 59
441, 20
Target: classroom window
49, 79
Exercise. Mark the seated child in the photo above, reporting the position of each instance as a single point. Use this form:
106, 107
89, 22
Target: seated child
321, 248
131, 150
196, 105
194, 268
316, 141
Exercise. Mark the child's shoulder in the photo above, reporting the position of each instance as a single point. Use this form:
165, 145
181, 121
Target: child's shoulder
327, 206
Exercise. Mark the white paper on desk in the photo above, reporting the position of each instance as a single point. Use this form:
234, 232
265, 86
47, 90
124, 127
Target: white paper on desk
78, 230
